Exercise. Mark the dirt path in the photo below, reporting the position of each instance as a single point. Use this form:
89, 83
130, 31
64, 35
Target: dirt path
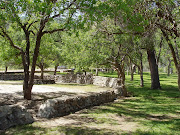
11, 93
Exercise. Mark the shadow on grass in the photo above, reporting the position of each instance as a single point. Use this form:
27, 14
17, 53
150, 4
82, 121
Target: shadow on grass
60, 130
167, 90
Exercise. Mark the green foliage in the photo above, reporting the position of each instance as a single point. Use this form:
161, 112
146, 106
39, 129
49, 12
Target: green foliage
8, 56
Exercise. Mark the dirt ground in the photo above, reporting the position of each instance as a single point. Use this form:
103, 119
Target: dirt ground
11, 93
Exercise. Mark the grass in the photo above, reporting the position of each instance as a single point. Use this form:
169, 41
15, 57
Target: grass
147, 112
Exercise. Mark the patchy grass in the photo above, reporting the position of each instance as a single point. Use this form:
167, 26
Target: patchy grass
147, 112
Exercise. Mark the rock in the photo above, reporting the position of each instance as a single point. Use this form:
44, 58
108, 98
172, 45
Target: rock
12, 115
40, 81
105, 81
65, 105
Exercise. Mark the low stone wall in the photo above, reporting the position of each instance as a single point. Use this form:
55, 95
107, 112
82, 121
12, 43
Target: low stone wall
40, 81
67, 78
12, 115
11, 77
87, 79
65, 105
105, 81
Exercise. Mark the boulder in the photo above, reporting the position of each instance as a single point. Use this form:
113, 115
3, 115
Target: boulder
12, 115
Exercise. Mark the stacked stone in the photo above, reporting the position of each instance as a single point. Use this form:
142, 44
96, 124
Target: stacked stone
12, 115
11, 77
39, 81
66, 105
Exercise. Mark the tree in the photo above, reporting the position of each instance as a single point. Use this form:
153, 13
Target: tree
34, 18
149, 43
164, 15
168, 14
136, 57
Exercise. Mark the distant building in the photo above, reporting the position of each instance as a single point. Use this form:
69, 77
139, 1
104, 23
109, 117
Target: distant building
62, 67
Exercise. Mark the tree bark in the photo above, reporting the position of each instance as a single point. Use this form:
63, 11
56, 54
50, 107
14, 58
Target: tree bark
175, 57
97, 72
155, 84
132, 72
169, 66
141, 73
42, 72
121, 77
132, 67
141, 77
55, 69
35, 56
179, 78
6, 69
26, 63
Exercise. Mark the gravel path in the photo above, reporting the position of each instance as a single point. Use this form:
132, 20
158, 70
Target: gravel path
37, 89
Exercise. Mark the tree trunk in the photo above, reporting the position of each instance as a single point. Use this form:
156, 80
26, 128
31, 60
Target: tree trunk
155, 84
132, 67
121, 82
35, 56
42, 72
97, 72
55, 69
169, 66
121, 77
6, 69
175, 57
141, 72
141, 78
26, 63
27, 95
179, 78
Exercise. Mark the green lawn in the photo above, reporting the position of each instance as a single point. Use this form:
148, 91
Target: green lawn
147, 112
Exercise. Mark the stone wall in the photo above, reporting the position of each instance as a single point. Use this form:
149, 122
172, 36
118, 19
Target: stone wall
74, 78
18, 76
12, 115
65, 105
68, 78
105, 81
11, 76
40, 81
87, 79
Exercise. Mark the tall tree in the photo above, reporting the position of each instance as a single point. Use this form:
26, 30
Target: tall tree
168, 15
34, 18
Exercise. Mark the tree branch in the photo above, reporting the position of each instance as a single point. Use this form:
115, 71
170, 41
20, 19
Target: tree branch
10, 40
31, 24
167, 29
52, 31
31, 31
57, 15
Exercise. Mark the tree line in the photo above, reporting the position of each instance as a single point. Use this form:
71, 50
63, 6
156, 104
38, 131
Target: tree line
90, 33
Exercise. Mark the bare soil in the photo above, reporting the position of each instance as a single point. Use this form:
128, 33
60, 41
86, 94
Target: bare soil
11, 93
